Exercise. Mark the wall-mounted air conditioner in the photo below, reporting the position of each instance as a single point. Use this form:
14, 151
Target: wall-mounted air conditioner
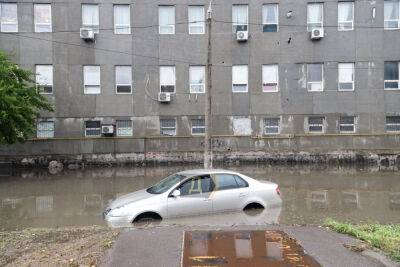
107, 130
242, 36
317, 33
86, 34
164, 97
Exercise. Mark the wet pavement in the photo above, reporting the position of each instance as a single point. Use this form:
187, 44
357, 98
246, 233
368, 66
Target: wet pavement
35, 198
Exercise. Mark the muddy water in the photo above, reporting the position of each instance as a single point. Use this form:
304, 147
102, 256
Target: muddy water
35, 198
243, 248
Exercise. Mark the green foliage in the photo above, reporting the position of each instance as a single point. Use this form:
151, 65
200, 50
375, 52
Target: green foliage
20, 102
384, 237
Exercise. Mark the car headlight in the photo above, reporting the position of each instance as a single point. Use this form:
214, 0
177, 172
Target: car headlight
117, 212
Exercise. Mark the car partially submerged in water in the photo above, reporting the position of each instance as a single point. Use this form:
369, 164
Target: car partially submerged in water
193, 192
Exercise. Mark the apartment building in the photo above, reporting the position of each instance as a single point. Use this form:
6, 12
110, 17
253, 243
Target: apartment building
138, 68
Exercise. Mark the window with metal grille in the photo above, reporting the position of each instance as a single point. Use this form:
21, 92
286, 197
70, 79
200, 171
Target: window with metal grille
45, 129
392, 123
347, 124
124, 128
392, 75
316, 124
92, 128
271, 125
315, 77
168, 127
198, 126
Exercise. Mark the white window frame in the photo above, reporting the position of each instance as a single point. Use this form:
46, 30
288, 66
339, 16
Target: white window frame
310, 23
354, 125
340, 27
166, 128
38, 83
95, 27
85, 85
167, 25
392, 124
121, 84
167, 84
272, 127
313, 82
264, 10
124, 131
392, 20
191, 84
198, 127
8, 23
235, 24
344, 66
97, 128
49, 130
309, 125
197, 24
264, 79
393, 81
41, 23
120, 28
246, 68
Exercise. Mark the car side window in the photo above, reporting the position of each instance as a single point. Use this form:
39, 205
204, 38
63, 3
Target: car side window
225, 181
196, 185
241, 183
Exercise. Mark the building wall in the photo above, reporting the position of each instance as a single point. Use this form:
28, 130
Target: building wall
368, 45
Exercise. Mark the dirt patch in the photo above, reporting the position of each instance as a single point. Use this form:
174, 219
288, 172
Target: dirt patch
56, 247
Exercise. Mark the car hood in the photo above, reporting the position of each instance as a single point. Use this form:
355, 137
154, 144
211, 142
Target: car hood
129, 198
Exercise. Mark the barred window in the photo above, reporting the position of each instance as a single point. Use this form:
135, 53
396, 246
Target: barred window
393, 124
347, 124
198, 126
92, 128
45, 129
316, 124
168, 127
124, 128
271, 125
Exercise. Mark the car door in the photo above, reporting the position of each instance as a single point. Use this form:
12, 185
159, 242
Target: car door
230, 192
194, 199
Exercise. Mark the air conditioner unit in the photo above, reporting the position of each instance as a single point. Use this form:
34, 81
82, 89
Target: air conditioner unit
317, 33
242, 36
107, 130
86, 34
164, 97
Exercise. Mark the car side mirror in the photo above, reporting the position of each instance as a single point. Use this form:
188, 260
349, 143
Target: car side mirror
176, 193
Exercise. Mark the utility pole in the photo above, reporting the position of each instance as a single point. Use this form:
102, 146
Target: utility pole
208, 117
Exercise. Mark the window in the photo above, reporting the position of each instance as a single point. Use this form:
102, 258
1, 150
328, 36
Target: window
239, 79
45, 129
196, 185
197, 79
168, 127
91, 77
392, 75
392, 11
90, 17
122, 19
225, 181
270, 78
167, 79
393, 124
347, 124
345, 16
196, 20
124, 128
315, 16
241, 183
270, 18
42, 17
166, 19
315, 76
271, 125
123, 79
316, 124
44, 78
346, 76
239, 18
198, 126
9, 17
92, 128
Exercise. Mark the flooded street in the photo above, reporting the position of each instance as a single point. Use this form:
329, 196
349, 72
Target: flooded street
35, 198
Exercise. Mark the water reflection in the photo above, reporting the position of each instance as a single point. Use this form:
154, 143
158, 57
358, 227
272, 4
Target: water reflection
35, 198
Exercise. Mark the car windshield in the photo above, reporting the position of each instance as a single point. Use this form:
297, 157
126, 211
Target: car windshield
165, 184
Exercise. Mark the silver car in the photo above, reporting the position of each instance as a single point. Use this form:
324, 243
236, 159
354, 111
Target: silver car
193, 192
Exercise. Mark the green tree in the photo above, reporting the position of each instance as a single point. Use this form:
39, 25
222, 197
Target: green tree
20, 102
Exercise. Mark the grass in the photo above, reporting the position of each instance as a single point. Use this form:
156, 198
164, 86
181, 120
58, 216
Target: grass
383, 237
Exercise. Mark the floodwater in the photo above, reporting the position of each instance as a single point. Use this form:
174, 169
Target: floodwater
36, 198
243, 248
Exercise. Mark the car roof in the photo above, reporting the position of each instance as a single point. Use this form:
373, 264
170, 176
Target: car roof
204, 171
